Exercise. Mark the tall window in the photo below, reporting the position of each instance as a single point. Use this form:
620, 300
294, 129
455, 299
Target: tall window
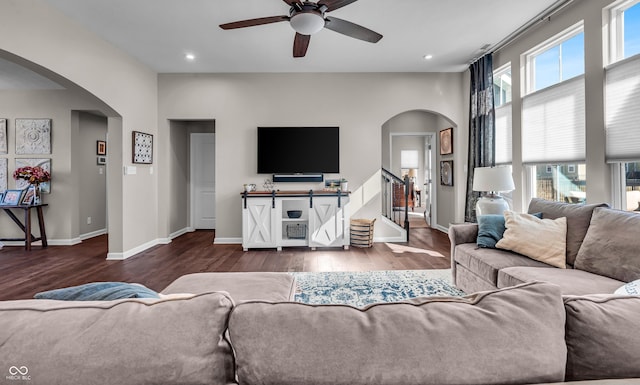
624, 29
560, 59
622, 91
502, 103
553, 118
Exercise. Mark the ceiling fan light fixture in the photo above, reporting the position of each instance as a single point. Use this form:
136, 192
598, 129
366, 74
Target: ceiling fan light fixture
307, 23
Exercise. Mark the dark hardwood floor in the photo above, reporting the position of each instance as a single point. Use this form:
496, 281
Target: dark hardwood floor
22, 274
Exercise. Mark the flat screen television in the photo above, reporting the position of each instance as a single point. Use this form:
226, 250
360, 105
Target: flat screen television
298, 150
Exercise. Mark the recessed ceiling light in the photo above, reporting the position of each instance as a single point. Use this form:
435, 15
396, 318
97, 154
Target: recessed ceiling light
428, 57
190, 56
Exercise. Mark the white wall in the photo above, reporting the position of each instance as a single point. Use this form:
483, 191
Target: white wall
358, 103
61, 216
43, 37
598, 173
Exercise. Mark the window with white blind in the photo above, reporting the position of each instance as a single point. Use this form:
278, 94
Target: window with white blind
553, 124
502, 103
409, 159
622, 115
553, 118
624, 29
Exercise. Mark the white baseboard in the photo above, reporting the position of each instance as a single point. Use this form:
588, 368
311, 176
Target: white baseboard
93, 234
180, 232
227, 241
132, 252
389, 239
50, 242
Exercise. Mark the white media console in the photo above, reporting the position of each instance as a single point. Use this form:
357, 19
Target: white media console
323, 220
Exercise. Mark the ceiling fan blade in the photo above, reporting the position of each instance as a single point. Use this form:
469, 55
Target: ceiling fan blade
332, 5
291, 2
254, 22
300, 45
351, 29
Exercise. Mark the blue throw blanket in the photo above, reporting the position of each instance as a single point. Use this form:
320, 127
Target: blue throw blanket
98, 291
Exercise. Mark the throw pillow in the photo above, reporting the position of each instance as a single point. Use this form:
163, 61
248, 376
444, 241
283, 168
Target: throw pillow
611, 245
491, 228
99, 291
541, 239
631, 288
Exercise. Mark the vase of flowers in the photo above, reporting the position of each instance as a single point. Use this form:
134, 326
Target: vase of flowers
34, 176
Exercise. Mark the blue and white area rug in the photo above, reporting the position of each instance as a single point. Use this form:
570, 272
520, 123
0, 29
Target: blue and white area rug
364, 288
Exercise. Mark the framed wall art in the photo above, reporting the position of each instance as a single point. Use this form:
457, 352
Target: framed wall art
446, 141
12, 197
142, 147
3, 174
102, 160
446, 172
3, 136
45, 187
33, 136
101, 147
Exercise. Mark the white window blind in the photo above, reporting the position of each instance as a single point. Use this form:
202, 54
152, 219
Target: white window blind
553, 124
622, 116
408, 159
503, 134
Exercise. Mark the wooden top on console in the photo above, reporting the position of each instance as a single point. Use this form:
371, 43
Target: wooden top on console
294, 193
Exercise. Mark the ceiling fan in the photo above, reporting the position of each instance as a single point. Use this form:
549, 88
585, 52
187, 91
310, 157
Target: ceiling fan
307, 18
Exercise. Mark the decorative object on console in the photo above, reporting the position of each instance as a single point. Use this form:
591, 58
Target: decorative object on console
446, 141
142, 148
446, 172
268, 185
492, 180
294, 213
101, 147
33, 171
29, 196
249, 187
33, 136
12, 197
3, 136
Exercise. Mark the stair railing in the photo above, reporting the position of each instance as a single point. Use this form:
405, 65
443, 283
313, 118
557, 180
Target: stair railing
395, 199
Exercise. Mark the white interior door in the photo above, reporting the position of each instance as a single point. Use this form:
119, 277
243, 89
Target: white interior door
203, 181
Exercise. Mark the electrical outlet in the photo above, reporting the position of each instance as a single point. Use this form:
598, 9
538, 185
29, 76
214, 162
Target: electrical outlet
88, 220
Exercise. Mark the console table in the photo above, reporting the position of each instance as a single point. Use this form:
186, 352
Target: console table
321, 219
26, 226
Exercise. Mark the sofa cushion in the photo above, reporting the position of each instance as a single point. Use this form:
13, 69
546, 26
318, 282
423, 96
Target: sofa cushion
603, 337
571, 281
130, 341
491, 228
240, 286
98, 291
578, 219
541, 239
487, 262
422, 341
611, 245
631, 288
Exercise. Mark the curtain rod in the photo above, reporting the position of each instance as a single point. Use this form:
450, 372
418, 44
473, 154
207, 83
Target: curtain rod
544, 15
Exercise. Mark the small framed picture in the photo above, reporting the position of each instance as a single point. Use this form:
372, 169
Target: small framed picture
101, 147
27, 198
102, 160
1, 197
446, 172
446, 141
142, 148
12, 197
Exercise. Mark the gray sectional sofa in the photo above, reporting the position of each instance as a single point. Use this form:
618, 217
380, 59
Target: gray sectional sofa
602, 253
251, 333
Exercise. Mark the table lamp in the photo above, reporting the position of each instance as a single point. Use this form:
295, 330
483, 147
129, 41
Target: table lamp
490, 181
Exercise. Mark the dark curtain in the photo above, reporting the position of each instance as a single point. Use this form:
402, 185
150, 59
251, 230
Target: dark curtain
481, 127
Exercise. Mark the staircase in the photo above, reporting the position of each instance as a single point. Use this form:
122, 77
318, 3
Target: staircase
395, 199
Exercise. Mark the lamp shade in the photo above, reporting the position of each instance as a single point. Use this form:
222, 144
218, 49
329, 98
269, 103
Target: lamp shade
492, 179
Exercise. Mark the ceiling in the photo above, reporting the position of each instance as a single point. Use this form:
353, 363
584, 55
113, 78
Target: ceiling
160, 33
